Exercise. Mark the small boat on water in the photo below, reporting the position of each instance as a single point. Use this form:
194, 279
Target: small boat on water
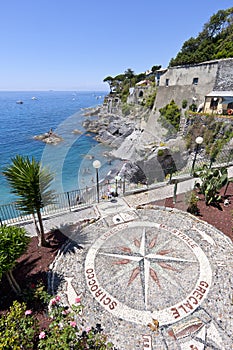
19, 102
34, 98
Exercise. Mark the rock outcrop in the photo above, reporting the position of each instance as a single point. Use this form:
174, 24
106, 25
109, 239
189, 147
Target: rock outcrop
146, 159
49, 138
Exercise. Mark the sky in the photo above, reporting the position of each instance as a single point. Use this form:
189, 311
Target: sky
75, 44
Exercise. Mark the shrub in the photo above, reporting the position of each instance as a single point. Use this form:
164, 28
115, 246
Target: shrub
193, 107
171, 113
13, 243
66, 333
18, 328
184, 103
192, 200
126, 109
149, 103
160, 153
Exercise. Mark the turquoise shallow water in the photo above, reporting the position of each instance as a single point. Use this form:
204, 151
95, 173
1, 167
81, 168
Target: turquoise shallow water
71, 160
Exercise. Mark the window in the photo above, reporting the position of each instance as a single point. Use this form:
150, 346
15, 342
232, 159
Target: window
167, 82
195, 81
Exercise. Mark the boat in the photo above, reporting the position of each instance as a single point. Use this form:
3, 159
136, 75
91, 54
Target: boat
19, 102
34, 98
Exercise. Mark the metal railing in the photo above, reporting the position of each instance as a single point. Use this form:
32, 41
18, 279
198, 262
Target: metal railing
77, 199
63, 202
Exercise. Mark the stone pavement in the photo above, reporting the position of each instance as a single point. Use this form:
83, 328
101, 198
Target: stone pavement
104, 208
155, 278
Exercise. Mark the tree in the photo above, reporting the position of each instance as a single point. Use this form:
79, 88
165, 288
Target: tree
30, 183
110, 81
155, 68
129, 73
13, 243
214, 42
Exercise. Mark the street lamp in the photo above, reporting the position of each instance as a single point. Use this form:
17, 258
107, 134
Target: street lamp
198, 141
117, 179
96, 164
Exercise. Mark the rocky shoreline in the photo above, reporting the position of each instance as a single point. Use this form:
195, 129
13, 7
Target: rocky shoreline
146, 159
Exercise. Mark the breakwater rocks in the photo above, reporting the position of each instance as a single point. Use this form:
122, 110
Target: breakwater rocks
49, 138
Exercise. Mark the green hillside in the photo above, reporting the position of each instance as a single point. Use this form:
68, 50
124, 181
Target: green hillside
214, 42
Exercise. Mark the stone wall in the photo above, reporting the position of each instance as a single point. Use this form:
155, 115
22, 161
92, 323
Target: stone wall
189, 83
224, 78
194, 82
180, 83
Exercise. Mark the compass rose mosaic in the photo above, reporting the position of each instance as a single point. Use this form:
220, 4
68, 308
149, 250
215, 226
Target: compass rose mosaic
155, 279
147, 266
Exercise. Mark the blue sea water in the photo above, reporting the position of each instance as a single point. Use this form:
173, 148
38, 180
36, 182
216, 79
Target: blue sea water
71, 160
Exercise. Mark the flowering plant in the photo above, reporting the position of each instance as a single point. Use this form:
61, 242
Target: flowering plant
65, 330
18, 328
36, 295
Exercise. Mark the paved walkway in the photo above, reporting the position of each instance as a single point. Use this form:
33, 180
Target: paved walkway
154, 278
107, 207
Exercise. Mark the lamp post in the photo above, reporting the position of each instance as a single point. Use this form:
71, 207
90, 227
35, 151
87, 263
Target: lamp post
117, 179
96, 164
198, 141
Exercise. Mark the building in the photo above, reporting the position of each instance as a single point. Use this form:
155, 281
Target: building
194, 83
219, 102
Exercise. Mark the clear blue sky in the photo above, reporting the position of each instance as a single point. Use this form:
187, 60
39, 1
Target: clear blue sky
75, 44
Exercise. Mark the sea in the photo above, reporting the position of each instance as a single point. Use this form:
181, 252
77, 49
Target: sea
70, 161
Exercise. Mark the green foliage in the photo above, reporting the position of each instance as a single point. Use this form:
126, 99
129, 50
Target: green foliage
149, 103
36, 296
29, 182
214, 42
160, 153
65, 331
215, 134
192, 200
13, 243
212, 181
121, 83
171, 113
18, 328
184, 103
193, 107
155, 68
125, 93
126, 109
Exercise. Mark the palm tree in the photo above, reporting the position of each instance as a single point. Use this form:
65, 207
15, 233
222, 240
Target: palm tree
30, 183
